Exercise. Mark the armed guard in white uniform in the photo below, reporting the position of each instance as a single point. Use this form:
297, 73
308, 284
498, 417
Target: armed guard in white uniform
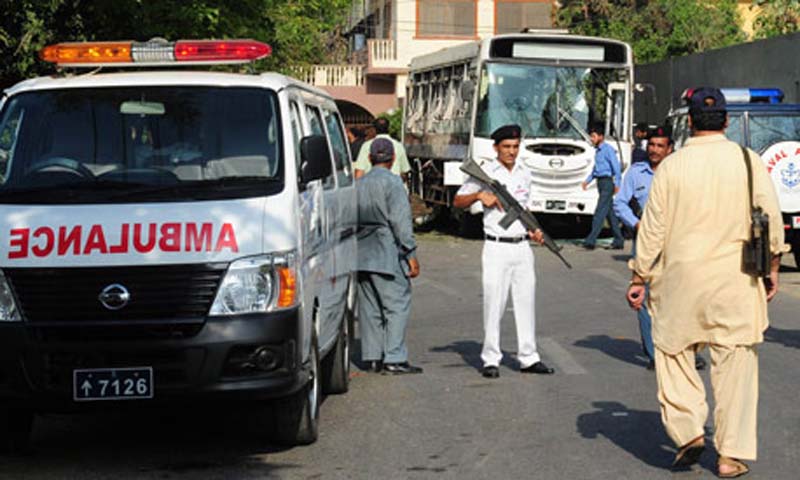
507, 260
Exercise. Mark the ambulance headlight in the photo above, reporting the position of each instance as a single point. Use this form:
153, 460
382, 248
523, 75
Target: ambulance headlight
8, 307
257, 284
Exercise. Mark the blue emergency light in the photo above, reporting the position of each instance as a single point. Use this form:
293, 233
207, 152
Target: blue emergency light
753, 95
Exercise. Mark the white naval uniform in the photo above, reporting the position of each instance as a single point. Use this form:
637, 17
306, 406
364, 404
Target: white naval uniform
507, 265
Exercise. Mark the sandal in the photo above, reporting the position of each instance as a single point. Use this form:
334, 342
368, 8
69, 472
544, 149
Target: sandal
689, 453
739, 468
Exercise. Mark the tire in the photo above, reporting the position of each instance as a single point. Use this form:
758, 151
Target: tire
297, 416
471, 226
336, 366
16, 426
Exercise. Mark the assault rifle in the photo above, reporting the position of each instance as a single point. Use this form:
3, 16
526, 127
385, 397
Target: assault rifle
514, 211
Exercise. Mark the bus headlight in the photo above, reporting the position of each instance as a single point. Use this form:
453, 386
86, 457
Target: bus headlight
8, 307
257, 284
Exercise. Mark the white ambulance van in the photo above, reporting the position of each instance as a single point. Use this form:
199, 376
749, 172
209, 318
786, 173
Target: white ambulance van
173, 234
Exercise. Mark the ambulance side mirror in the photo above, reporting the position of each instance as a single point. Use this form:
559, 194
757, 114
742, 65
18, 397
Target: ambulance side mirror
315, 158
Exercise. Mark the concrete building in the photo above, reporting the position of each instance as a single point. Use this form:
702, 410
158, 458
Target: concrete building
384, 35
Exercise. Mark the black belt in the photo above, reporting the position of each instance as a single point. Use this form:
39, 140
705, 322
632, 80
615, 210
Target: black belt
505, 239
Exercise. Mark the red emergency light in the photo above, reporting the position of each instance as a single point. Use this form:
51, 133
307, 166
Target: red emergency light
154, 52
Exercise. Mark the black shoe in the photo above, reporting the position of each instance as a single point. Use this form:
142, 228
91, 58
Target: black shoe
400, 368
490, 372
587, 246
651, 365
616, 247
538, 367
699, 363
374, 366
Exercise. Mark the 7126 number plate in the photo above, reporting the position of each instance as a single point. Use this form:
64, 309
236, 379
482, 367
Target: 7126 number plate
134, 383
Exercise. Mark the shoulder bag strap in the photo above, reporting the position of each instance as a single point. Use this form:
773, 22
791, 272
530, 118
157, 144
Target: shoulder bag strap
749, 175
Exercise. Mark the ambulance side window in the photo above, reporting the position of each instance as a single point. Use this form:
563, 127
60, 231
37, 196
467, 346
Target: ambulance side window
297, 131
315, 121
8, 140
341, 155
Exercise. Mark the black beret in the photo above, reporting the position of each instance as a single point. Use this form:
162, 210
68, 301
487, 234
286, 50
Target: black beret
660, 131
507, 132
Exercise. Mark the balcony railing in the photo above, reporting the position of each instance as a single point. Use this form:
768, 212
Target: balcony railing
331, 75
382, 53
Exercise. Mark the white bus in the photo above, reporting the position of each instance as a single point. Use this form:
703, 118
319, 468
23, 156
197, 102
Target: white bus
552, 84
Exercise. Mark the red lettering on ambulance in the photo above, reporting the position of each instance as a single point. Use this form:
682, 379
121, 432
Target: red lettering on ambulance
21, 242
65, 240
123, 240
49, 241
95, 241
227, 239
138, 244
170, 237
198, 240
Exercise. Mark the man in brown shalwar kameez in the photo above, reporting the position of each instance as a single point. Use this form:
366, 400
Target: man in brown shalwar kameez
689, 250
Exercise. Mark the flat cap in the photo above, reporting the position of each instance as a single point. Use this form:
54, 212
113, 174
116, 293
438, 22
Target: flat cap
660, 131
381, 150
507, 132
706, 99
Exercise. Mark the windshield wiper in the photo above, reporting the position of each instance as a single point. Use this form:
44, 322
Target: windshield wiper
574, 124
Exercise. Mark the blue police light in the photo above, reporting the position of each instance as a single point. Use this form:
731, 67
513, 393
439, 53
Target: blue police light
753, 95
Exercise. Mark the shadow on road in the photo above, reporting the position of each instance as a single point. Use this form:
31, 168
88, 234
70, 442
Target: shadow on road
624, 349
638, 432
470, 352
787, 338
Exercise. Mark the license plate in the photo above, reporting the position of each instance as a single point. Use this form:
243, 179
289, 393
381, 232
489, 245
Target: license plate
112, 384
795, 222
555, 205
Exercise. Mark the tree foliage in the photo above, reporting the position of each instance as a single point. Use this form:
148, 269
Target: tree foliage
656, 29
300, 31
777, 17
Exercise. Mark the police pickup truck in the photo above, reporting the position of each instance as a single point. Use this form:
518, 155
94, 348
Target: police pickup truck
759, 120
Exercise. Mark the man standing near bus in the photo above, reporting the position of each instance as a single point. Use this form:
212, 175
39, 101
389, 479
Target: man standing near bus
399, 167
608, 175
507, 261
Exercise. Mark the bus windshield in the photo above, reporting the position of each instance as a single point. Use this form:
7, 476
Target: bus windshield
766, 130
546, 101
98, 145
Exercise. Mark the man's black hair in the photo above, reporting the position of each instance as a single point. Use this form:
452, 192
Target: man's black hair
381, 125
708, 121
357, 132
597, 128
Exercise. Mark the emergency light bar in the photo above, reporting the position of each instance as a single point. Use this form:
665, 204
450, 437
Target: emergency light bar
744, 95
154, 52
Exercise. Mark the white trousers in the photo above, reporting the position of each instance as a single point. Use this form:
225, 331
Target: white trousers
509, 265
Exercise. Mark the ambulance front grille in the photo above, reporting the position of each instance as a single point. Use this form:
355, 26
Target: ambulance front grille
157, 292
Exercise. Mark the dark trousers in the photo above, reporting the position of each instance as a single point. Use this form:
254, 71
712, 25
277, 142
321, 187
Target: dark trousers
605, 186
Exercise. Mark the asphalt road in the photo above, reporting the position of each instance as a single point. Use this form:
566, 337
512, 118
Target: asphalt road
596, 418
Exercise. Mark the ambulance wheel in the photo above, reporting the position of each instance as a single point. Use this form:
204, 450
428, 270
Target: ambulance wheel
470, 226
297, 416
16, 426
336, 366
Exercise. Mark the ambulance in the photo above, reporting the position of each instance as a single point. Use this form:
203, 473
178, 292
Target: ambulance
759, 120
173, 234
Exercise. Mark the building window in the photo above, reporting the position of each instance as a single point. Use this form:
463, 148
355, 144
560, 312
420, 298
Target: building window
447, 18
511, 16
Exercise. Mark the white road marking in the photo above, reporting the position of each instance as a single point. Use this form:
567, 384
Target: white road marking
560, 357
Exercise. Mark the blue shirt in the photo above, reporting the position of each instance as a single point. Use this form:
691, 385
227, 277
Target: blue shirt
636, 185
605, 164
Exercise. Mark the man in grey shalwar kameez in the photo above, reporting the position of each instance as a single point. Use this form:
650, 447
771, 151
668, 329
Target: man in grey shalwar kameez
386, 263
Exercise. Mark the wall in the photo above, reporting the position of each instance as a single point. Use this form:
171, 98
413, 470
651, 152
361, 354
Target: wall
765, 63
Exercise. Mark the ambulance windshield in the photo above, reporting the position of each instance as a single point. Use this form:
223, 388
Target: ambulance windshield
139, 144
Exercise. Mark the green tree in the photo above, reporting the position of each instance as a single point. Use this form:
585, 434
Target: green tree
300, 31
777, 17
656, 29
